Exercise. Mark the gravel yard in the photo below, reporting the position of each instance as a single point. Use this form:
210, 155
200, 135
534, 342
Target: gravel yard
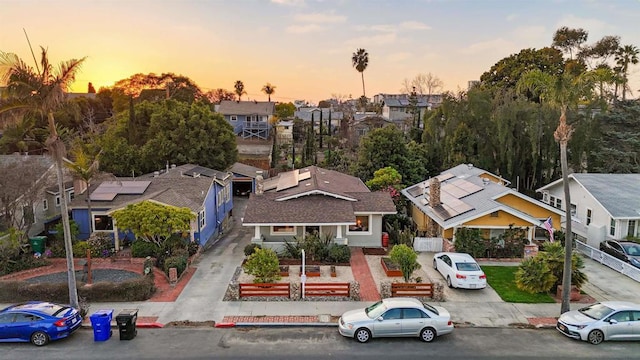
98, 275
343, 274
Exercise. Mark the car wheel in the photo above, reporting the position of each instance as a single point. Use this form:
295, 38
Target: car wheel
363, 335
435, 265
428, 334
595, 337
449, 282
39, 338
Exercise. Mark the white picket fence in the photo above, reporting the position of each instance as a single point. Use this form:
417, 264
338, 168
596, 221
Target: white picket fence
608, 260
423, 244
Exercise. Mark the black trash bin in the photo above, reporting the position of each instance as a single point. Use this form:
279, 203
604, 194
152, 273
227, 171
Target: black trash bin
126, 321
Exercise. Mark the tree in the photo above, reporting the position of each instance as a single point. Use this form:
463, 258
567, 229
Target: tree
41, 90
562, 91
384, 178
617, 140
285, 110
360, 61
239, 89
153, 222
264, 265
380, 148
171, 86
218, 95
506, 72
269, 89
570, 40
423, 84
406, 258
625, 56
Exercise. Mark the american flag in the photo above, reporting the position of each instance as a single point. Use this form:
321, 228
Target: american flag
549, 226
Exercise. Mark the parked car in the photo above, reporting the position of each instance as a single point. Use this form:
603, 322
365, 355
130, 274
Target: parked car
607, 320
460, 270
38, 322
627, 251
396, 317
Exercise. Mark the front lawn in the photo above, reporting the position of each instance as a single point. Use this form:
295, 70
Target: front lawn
502, 280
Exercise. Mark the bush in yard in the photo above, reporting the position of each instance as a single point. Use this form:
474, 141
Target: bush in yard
263, 264
80, 249
339, 253
177, 261
100, 244
142, 249
406, 258
469, 241
250, 248
534, 276
553, 255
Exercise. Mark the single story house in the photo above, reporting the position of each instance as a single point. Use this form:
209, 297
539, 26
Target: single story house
603, 206
206, 192
316, 200
467, 196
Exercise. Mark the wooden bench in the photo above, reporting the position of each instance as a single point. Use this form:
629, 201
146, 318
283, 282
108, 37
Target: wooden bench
267, 289
327, 289
411, 289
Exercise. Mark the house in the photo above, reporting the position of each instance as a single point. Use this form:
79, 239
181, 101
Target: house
397, 107
326, 115
603, 206
244, 178
35, 205
316, 200
362, 125
206, 192
467, 196
284, 131
250, 119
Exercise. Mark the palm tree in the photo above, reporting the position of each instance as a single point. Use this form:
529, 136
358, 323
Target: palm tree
625, 56
42, 90
360, 61
269, 89
239, 86
561, 91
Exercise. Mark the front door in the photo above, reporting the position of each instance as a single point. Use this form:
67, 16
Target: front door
312, 230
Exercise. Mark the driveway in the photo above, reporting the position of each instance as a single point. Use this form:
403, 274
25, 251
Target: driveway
605, 283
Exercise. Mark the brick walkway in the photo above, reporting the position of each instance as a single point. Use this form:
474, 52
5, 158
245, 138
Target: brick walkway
362, 274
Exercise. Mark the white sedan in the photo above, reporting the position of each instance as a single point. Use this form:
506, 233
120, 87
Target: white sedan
460, 270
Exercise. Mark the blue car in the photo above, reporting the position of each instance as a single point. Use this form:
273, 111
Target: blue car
38, 322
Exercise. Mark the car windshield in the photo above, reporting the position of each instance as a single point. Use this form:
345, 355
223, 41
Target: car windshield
375, 310
465, 266
632, 249
431, 308
596, 311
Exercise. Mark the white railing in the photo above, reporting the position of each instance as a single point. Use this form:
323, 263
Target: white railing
421, 244
608, 260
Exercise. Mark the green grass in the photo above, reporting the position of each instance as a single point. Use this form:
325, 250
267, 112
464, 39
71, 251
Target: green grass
502, 280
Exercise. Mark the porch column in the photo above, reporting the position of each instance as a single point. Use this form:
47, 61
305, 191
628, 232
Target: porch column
116, 236
339, 231
256, 232
530, 234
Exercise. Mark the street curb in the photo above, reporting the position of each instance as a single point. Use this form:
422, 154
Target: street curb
283, 324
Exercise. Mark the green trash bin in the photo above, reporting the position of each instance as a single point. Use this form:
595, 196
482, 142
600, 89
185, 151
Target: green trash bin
38, 244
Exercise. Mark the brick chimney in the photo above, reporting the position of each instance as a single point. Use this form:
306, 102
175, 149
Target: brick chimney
434, 192
259, 183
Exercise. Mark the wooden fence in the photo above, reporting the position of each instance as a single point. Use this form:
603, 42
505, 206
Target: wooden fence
327, 289
268, 289
411, 289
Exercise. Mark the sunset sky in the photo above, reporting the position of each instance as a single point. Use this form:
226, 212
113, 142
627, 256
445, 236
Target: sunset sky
302, 47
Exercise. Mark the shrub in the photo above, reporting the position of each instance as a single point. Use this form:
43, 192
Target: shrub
177, 261
193, 247
339, 253
80, 249
20, 263
553, 255
250, 248
406, 258
142, 249
292, 249
100, 244
263, 265
534, 276
468, 240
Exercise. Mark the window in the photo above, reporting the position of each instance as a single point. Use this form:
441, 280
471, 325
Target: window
57, 200
552, 201
612, 227
233, 118
559, 203
545, 198
72, 195
631, 230
574, 210
588, 216
362, 224
392, 314
413, 314
202, 219
45, 205
28, 215
102, 223
621, 316
283, 230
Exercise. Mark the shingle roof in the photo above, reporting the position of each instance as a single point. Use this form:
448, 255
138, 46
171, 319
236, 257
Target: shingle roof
305, 114
246, 170
619, 194
230, 107
318, 196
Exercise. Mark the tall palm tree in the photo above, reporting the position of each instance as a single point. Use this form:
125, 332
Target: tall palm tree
269, 89
42, 90
360, 61
561, 91
625, 56
239, 89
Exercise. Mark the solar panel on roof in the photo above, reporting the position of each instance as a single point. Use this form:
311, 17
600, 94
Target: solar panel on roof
102, 196
415, 191
270, 184
304, 175
287, 180
444, 177
453, 190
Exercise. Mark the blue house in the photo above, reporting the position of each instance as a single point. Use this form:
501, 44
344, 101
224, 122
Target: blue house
206, 192
250, 119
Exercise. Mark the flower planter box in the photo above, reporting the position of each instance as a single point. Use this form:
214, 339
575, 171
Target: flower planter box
311, 270
284, 270
390, 268
573, 296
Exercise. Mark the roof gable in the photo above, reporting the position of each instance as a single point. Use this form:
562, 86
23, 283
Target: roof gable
230, 107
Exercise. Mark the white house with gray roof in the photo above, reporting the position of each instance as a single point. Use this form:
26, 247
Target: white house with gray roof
603, 206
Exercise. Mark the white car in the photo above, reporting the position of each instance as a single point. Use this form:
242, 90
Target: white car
460, 270
607, 320
396, 317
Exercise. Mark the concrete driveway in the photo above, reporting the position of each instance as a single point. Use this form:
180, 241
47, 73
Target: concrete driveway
605, 283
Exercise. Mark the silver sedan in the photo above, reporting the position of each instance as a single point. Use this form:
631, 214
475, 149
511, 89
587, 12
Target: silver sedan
607, 320
396, 317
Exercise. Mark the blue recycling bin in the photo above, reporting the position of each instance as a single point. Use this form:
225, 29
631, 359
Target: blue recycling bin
101, 324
